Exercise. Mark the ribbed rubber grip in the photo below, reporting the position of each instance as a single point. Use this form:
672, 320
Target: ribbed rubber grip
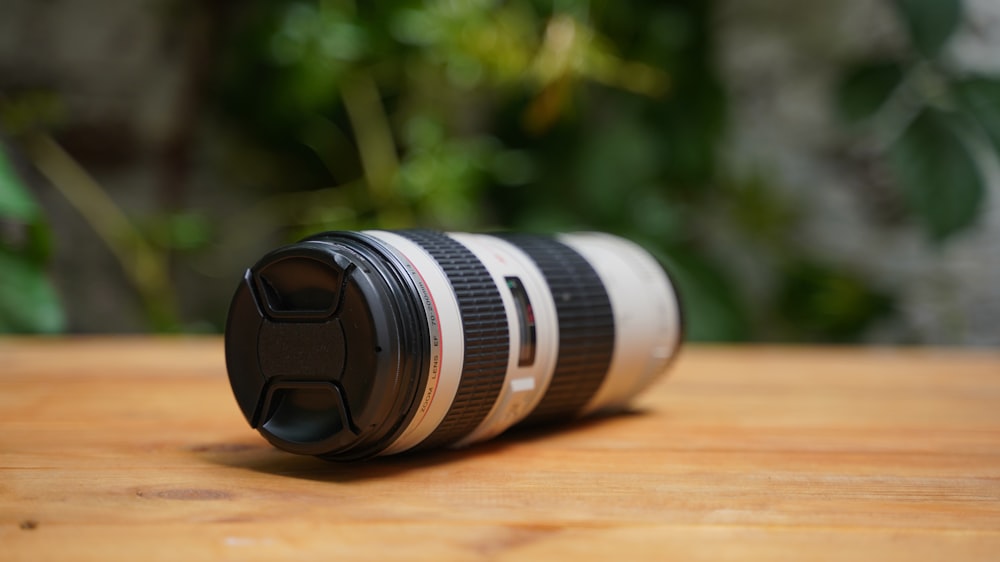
586, 326
487, 336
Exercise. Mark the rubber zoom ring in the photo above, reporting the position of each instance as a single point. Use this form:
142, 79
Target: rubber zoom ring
486, 336
586, 326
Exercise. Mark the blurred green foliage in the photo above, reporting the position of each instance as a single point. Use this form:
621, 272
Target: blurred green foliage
543, 116
926, 117
480, 114
28, 302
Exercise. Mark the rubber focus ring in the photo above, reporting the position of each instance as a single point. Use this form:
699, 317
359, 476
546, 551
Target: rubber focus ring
586, 326
486, 336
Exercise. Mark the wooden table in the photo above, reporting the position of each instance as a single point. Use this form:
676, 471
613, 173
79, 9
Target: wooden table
134, 449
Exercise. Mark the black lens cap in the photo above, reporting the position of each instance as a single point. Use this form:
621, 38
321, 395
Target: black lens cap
325, 347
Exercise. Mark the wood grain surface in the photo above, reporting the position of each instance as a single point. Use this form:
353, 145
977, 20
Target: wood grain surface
134, 449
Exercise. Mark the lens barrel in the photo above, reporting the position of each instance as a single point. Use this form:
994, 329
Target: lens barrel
349, 345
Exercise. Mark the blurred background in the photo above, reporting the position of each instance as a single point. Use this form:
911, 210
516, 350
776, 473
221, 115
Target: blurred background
808, 171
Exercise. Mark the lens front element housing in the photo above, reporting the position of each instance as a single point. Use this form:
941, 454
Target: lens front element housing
349, 345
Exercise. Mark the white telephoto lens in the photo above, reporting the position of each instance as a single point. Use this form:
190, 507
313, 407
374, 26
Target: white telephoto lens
349, 345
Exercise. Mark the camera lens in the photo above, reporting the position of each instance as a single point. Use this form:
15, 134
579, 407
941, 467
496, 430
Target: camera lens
348, 345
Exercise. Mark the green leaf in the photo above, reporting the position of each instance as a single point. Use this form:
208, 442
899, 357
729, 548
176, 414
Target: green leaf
865, 88
28, 302
15, 201
979, 98
938, 175
25, 232
930, 22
